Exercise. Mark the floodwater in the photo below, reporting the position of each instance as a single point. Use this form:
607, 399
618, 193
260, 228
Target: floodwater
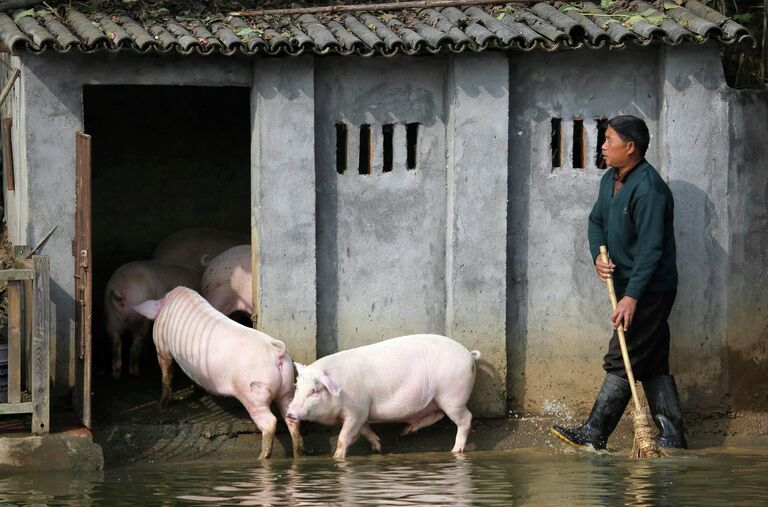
717, 476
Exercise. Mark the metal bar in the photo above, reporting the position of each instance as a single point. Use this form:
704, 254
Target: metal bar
10, 177
9, 275
14, 342
15, 408
26, 333
41, 340
390, 6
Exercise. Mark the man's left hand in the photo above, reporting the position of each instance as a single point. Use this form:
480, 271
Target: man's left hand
624, 312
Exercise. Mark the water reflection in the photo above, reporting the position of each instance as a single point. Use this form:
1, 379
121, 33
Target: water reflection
521, 477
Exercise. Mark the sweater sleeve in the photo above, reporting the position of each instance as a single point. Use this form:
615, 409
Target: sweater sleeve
596, 228
649, 214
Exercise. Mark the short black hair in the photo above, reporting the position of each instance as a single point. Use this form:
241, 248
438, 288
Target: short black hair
631, 128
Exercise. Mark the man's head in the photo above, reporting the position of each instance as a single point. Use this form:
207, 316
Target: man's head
626, 140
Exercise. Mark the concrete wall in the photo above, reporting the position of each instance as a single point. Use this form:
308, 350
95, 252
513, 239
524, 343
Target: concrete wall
694, 152
747, 341
557, 308
421, 250
485, 240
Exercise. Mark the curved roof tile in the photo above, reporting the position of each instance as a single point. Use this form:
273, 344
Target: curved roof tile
545, 25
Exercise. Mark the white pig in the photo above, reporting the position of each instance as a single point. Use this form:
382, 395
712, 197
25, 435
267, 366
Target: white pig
194, 247
224, 358
417, 379
129, 285
227, 282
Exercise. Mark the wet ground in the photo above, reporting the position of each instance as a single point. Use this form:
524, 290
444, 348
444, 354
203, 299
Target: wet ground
715, 476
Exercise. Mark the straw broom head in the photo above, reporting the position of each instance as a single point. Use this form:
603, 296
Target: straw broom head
645, 444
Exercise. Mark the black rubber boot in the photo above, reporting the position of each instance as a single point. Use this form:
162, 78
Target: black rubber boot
609, 406
664, 403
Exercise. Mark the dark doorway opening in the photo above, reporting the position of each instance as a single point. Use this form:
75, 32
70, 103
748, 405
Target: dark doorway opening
164, 158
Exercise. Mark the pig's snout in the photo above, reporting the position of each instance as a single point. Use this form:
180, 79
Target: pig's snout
293, 416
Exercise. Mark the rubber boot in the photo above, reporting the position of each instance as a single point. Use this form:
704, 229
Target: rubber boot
609, 406
664, 403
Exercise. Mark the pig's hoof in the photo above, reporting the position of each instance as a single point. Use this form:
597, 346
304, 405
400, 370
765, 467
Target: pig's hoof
457, 450
298, 452
133, 372
115, 374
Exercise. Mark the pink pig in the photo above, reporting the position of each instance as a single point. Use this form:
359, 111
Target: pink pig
228, 283
224, 358
129, 285
417, 379
194, 247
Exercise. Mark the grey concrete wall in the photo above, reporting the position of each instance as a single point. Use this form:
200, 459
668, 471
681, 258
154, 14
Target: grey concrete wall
423, 250
51, 91
694, 154
747, 341
476, 259
381, 236
557, 308
283, 200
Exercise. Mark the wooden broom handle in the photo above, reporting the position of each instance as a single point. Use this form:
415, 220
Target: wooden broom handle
620, 332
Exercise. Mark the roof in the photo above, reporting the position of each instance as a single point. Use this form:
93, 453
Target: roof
546, 25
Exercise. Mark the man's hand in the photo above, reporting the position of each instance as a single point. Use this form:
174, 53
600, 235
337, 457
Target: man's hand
624, 312
604, 270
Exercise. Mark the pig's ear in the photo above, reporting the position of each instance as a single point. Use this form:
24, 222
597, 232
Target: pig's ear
330, 385
149, 308
299, 367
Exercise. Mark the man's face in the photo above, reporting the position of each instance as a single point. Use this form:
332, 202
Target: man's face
616, 151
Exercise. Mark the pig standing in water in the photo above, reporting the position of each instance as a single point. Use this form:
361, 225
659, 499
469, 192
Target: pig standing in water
190, 246
417, 379
224, 358
129, 285
227, 282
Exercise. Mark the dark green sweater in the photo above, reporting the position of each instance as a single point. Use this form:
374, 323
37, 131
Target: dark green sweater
636, 226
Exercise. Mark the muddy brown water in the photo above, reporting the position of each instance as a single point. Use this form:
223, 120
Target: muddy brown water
716, 476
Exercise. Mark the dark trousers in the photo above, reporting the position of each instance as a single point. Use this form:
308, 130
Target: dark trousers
647, 339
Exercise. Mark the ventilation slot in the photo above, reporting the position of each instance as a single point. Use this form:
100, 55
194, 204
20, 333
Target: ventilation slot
556, 142
602, 125
578, 144
341, 147
412, 144
364, 165
389, 134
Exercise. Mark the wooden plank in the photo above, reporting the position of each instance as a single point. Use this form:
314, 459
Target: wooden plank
8, 154
16, 274
15, 408
14, 342
41, 342
83, 278
26, 333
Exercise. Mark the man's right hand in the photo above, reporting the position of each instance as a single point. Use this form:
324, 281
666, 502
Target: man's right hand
604, 269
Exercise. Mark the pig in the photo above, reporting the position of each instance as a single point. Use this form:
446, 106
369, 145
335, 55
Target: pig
129, 285
195, 247
227, 281
225, 358
417, 379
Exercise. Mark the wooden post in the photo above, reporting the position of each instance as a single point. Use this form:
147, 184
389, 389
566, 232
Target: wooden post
14, 341
41, 340
8, 154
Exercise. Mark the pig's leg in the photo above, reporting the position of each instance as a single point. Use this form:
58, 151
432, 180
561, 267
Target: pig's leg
117, 354
256, 398
372, 437
166, 369
350, 428
423, 422
463, 420
293, 427
139, 332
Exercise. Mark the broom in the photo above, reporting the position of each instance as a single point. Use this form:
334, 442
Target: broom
644, 444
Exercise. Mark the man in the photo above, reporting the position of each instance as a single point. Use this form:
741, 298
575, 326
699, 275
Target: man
633, 217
